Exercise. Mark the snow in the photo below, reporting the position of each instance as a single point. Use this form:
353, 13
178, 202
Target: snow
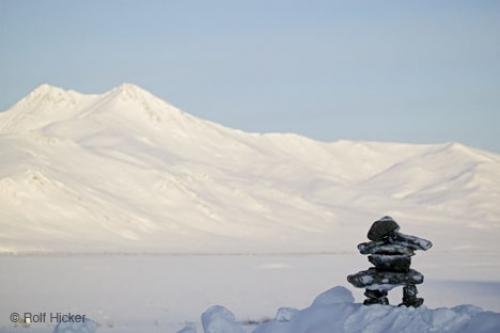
125, 171
335, 295
366, 279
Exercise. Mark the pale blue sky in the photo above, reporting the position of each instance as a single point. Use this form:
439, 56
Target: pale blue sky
412, 71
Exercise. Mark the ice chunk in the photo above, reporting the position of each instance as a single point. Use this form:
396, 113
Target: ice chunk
335, 295
467, 309
286, 314
218, 319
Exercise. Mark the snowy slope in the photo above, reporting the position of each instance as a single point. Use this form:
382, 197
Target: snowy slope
125, 171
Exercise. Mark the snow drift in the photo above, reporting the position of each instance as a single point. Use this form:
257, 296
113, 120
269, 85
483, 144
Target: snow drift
125, 171
335, 311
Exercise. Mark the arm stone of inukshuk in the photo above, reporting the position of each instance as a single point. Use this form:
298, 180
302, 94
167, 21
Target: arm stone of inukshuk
412, 241
397, 243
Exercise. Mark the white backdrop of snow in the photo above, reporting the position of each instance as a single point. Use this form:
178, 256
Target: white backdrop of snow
125, 171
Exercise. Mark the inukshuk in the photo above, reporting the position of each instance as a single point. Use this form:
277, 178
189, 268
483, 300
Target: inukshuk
390, 253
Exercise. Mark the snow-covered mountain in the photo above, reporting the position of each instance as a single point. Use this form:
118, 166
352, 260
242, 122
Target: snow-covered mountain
125, 171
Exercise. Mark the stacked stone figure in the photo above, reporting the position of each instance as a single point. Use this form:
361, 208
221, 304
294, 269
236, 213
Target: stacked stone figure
390, 253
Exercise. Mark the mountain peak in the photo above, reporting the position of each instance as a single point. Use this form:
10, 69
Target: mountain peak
49, 94
130, 88
46, 88
128, 92
464, 150
47, 104
131, 91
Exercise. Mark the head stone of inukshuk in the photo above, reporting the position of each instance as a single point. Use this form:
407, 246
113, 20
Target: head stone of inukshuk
390, 253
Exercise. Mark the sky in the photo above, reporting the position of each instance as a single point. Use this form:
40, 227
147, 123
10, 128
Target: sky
405, 71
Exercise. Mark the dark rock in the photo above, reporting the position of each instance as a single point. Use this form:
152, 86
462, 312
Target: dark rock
410, 292
397, 243
382, 228
413, 242
376, 297
384, 262
384, 280
375, 293
371, 301
385, 247
418, 301
390, 252
410, 296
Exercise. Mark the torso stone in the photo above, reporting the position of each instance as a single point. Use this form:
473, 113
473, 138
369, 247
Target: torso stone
397, 263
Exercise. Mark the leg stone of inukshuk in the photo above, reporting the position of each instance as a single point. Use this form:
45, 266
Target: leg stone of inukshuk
410, 296
396, 262
376, 297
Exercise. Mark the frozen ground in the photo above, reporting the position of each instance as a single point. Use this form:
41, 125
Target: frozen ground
147, 293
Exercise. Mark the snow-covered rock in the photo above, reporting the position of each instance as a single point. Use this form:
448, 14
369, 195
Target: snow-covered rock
218, 319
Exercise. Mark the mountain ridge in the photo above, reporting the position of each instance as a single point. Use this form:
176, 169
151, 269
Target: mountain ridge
74, 175
134, 91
